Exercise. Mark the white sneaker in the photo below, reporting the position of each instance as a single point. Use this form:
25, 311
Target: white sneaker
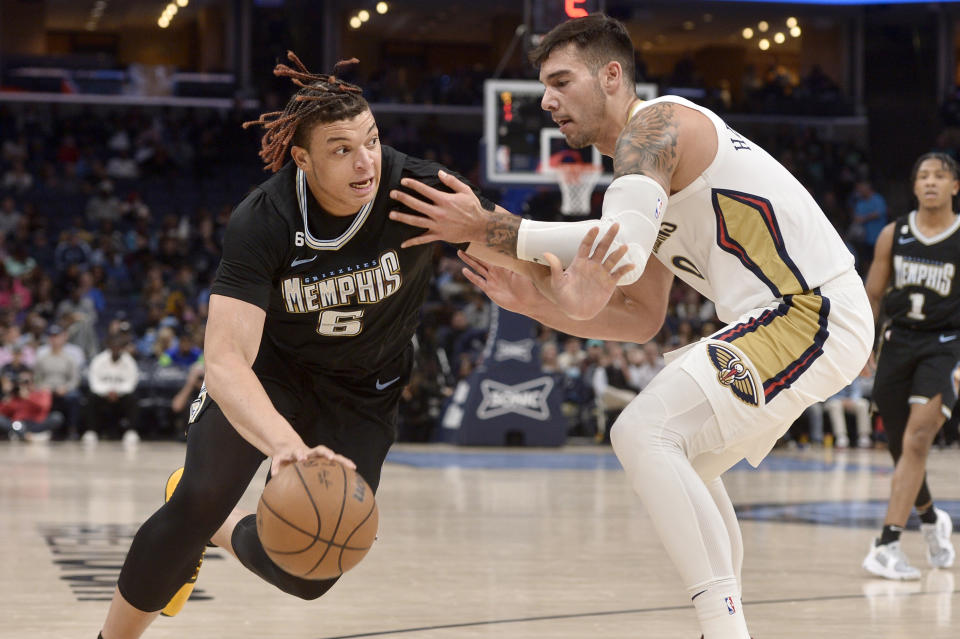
864, 441
42, 436
841, 442
131, 437
940, 552
90, 437
889, 562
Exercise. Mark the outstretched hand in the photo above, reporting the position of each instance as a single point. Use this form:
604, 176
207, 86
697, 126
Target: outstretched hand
455, 217
585, 287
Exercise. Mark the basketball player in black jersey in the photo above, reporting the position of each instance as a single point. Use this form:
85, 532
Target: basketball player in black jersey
914, 277
308, 342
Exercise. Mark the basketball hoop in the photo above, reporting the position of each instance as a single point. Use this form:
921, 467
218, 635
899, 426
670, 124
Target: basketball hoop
577, 181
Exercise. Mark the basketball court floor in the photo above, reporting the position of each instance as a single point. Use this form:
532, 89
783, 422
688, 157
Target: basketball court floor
516, 544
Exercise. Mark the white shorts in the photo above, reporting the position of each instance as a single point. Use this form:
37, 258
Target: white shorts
762, 371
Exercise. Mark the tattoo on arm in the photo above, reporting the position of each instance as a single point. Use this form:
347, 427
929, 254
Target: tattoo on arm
501, 233
648, 144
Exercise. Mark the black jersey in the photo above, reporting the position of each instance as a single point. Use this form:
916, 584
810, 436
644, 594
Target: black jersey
340, 294
923, 293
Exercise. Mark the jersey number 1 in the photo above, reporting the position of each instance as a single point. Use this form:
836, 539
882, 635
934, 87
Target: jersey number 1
916, 306
340, 323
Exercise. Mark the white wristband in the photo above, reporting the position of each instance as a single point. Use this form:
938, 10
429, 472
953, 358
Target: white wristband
635, 202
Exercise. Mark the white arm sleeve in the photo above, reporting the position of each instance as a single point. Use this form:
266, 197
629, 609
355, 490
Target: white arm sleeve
636, 202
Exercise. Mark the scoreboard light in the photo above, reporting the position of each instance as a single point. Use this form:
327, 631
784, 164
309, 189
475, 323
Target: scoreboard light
571, 8
507, 98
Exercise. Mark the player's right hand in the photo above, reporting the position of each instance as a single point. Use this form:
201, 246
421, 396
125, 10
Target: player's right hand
455, 217
292, 453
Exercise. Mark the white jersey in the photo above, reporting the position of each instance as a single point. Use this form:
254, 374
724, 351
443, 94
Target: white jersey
746, 232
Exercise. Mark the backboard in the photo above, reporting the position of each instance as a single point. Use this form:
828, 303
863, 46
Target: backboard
520, 137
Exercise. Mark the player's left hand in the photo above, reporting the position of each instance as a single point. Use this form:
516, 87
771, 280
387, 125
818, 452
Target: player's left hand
455, 217
507, 289
585, 287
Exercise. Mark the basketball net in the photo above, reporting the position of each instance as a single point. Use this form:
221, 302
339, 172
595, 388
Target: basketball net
577, 181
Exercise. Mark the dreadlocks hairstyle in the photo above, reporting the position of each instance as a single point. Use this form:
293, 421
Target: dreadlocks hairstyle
321, 98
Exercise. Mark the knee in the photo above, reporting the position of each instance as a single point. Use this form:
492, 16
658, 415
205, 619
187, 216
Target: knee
639, 431
917, 439
628, 436
198, 504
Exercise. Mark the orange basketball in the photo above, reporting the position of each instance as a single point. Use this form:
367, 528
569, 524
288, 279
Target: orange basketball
317, 519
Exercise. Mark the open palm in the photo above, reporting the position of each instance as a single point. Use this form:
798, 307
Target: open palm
583, 289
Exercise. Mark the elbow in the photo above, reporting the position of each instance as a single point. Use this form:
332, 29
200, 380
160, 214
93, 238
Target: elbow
215, 378
214, 384
221, 372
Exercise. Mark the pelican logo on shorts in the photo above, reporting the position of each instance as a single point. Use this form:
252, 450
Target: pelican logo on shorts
732, 372
528, 399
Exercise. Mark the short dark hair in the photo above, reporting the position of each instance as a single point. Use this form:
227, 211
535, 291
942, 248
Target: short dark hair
948, 163
598, 37
321, 99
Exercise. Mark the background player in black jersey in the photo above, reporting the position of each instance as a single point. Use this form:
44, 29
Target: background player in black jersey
308, 341
913, 276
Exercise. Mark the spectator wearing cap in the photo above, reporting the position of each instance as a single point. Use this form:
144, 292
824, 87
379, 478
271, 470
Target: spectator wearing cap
72, 351
58, 372
113, 377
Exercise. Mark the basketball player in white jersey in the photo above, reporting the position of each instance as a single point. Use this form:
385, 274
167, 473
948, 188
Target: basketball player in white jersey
696, 200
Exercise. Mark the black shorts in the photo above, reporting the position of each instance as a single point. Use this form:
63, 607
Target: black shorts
355, 417
915, 366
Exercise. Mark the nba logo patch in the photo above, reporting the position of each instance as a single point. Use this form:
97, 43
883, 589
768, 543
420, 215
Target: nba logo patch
659, 209
731, 609
733, 373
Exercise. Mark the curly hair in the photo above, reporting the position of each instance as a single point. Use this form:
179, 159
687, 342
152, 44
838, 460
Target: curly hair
322, 98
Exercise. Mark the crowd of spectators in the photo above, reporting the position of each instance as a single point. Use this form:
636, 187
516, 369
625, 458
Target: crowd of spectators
773, 89
110, 231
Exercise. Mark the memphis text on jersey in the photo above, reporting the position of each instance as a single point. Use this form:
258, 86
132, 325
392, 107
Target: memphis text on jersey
346, 287
936, 276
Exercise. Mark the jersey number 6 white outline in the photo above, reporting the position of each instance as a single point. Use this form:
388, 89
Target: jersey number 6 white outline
340, 323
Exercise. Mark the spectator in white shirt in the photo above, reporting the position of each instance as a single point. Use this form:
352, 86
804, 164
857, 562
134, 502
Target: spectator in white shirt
113, 376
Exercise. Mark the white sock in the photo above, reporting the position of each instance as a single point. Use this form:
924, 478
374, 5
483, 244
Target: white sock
719, 610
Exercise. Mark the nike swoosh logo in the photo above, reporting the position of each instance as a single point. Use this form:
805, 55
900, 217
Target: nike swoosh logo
386, 384
906, 240
296, 263
947, 338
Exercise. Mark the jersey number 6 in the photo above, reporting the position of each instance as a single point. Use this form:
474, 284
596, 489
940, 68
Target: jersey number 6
340, 323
